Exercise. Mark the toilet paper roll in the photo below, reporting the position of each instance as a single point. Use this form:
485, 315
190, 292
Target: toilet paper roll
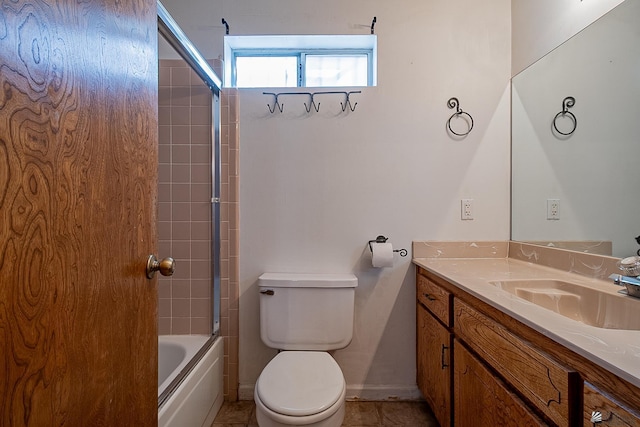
382, 254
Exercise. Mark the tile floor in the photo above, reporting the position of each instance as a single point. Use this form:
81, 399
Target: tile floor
358, 414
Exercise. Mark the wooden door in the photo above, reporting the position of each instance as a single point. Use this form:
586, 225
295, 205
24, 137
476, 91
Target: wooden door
434, 364
78, 171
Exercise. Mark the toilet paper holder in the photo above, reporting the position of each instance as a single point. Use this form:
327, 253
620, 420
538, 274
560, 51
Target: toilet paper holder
382, 239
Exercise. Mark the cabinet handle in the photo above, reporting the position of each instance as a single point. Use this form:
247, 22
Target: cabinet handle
429, 297
442, 361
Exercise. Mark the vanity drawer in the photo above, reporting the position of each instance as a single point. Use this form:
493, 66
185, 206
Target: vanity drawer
547, 385
435, 298
612, 414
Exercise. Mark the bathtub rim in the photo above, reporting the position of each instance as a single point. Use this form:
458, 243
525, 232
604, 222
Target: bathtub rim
187, 368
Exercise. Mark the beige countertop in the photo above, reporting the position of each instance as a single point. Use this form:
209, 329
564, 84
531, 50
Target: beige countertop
616, 350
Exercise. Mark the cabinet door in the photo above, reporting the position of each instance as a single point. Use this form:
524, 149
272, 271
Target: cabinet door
549, 386
480, 399
434, 364
599, 410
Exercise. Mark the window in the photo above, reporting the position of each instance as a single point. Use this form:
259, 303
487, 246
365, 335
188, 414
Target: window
300, 61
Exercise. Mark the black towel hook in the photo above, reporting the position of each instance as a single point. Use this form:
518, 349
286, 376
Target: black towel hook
347, 102
312, 103
276, 103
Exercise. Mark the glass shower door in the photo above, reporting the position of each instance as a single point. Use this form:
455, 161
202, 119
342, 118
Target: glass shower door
185, 189
188, 201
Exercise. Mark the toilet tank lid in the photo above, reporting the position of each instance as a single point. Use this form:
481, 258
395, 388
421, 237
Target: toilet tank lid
307, 280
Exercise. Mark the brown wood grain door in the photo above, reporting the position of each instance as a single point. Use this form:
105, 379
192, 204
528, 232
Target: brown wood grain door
78, 172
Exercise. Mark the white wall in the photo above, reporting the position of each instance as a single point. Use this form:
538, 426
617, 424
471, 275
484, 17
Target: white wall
542, 25
314, 188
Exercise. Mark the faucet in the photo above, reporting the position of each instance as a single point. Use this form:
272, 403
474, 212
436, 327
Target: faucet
631, 283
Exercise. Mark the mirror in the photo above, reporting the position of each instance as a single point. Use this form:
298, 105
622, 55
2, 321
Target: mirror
580, 191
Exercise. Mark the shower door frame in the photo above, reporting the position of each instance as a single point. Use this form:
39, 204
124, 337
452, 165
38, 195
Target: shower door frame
173, 34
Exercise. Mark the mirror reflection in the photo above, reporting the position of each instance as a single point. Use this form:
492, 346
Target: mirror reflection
580, 190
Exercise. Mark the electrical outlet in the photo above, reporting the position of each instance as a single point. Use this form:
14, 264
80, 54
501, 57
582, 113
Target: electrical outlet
553, 209
466, 210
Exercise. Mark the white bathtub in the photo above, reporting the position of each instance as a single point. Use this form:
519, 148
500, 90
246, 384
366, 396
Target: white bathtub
198, 397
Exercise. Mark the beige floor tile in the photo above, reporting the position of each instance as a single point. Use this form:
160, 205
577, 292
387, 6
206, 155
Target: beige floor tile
361, 414
253, 421
406, 414
235, 413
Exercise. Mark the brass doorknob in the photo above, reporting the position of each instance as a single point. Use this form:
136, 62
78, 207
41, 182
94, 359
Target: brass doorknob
166, 266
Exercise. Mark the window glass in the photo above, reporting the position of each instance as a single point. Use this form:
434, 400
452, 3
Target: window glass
266, 71
336, 70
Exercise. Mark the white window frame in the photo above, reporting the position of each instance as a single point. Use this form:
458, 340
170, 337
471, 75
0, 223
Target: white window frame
299, 46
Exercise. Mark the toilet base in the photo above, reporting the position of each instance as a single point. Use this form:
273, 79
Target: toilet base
334, 416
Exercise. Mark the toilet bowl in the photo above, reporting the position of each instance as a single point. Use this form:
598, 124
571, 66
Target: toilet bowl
300, 388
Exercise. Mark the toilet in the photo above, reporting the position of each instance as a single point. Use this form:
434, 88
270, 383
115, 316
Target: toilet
304, 316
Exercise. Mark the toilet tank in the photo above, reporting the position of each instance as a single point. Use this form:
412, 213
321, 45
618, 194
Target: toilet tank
307, 311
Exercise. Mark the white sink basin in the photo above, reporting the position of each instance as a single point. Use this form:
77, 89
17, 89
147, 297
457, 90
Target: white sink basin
583, 304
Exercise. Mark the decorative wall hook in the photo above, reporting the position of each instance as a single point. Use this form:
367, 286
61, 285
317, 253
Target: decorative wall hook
454, 103
567, 103
382, 239
312, 103
276, 103
373, 24
226, 26
347, 102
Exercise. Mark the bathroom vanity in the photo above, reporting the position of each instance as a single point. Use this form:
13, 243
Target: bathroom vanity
486, 356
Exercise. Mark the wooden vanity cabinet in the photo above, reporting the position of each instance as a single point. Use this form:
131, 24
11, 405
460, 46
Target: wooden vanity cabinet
503, 372
434, 340
489, 373
612, 414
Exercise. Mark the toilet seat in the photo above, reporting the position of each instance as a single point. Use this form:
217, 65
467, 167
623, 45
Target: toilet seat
300, 383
